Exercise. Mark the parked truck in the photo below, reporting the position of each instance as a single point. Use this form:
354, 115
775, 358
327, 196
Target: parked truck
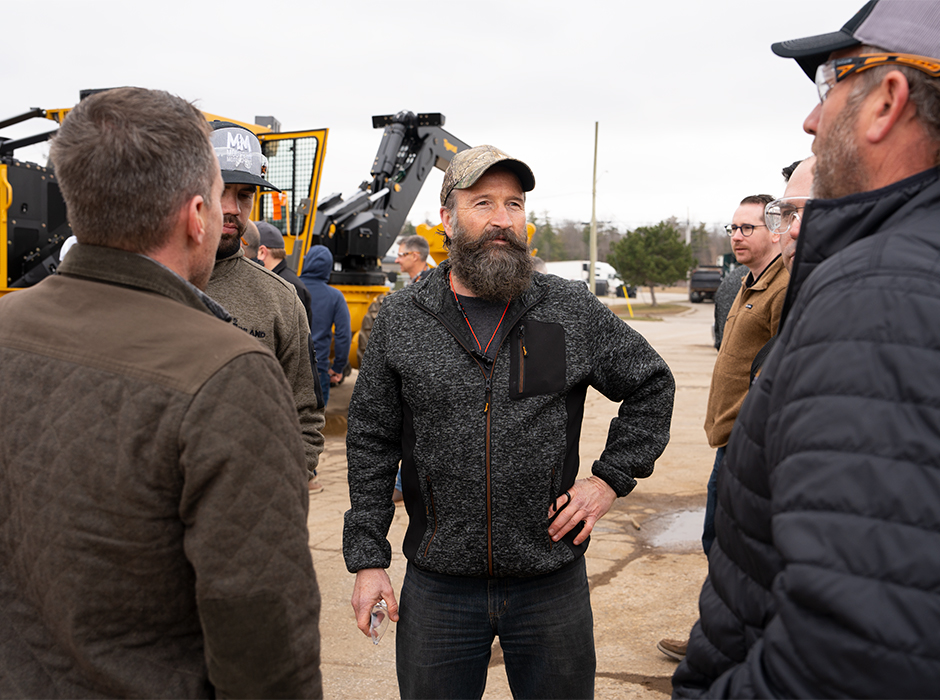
703, 283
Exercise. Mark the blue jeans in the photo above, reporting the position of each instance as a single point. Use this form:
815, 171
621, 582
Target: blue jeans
324, 373
711, 503
544, 624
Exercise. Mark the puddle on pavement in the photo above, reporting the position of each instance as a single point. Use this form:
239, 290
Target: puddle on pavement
681, 528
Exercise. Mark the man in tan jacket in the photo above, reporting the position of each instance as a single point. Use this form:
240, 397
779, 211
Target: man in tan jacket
751, 322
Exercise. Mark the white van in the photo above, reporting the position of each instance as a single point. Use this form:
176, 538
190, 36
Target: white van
605, 277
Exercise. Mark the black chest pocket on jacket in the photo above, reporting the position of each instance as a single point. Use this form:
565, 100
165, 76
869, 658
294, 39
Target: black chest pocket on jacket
537, 356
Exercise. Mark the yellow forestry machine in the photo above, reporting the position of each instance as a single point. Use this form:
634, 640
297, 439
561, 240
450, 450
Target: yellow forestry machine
358, 231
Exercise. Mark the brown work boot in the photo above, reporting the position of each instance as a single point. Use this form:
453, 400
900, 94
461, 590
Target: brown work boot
673, 648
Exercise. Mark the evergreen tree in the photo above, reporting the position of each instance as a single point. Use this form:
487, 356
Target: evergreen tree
652, 255
545, 240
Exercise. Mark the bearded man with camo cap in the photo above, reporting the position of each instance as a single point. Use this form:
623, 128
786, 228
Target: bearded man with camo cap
261, 302
481, 402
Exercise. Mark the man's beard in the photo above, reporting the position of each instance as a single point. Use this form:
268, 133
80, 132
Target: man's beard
839, 168
492, 271
229, 245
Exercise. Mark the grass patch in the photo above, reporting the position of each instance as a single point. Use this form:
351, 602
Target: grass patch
647, 311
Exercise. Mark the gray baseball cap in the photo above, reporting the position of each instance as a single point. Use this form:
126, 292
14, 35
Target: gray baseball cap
903, 26
240, 156
468, 166
269, 234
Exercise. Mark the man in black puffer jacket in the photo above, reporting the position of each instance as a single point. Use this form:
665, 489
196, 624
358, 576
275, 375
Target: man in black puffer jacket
475, 379
825, 577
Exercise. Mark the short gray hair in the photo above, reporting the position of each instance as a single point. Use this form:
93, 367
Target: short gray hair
127, 160
417, 244
924, 92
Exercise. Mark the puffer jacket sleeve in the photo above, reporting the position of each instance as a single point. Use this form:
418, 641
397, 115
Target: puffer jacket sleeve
628, 370
846, 426
244, 508
373, 449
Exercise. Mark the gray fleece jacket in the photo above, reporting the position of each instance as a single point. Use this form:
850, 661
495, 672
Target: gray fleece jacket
484, 446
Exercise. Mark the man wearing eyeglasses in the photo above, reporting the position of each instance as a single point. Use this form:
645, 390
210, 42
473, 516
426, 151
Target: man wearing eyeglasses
824, 578
412, 256
751, 322
784, 216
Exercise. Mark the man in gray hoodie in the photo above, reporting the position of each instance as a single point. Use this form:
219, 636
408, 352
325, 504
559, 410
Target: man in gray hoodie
475, 381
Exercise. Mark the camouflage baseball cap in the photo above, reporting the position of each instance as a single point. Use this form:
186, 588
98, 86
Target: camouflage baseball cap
468, 166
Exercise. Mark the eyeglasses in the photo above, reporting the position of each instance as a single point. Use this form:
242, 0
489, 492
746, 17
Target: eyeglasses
838, 69
407, 252
745, 229
780, 213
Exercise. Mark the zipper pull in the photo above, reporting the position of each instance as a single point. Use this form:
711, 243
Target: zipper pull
486, 408
522, 340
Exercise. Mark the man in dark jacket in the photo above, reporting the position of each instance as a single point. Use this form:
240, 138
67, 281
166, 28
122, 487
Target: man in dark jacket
822, 581
153, 541
251, 239
330, 312
724, 297
475, 381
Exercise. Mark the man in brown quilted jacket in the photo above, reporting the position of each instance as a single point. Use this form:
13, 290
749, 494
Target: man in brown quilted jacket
153, 538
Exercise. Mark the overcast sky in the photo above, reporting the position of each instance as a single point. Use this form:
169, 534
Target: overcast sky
695, 111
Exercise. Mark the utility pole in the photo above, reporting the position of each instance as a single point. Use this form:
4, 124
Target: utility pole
592, 284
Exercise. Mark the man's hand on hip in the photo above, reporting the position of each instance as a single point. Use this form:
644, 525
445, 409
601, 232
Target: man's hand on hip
372, 585
588, 500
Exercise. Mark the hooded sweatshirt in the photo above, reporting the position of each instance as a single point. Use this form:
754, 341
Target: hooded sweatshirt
328, 308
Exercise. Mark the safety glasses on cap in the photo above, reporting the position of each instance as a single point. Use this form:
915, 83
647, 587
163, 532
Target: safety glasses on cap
838, 69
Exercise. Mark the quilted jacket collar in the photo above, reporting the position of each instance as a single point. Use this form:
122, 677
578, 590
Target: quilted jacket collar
831, 225
113, 266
